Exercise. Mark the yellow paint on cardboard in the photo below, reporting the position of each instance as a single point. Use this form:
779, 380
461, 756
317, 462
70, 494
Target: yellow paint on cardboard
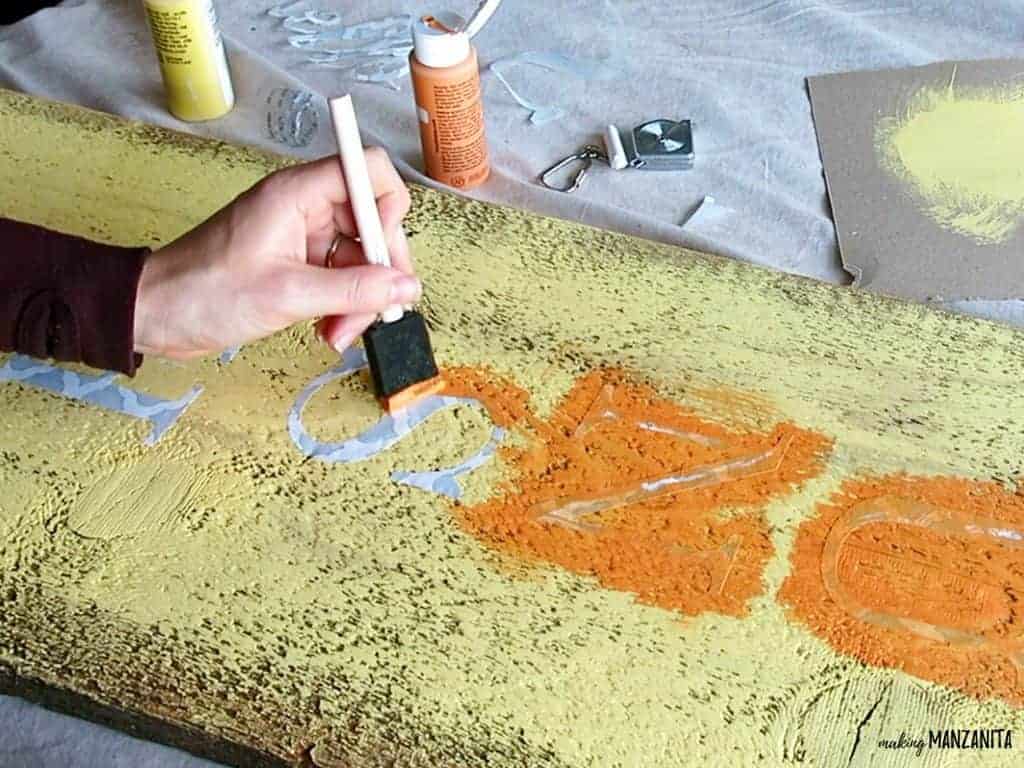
960, 152
321, 610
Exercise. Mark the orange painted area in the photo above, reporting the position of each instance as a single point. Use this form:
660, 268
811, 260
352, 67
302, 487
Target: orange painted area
637, 492
921, 574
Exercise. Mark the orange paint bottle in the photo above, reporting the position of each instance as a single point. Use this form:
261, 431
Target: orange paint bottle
449, 103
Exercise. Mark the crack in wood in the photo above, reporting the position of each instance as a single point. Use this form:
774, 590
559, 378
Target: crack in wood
863, 722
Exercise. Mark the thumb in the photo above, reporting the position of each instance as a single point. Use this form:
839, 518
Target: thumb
312, 291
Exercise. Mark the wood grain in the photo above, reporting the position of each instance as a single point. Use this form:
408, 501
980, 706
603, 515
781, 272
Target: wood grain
298, 613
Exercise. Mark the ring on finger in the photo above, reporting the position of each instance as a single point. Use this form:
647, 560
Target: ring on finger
333, 250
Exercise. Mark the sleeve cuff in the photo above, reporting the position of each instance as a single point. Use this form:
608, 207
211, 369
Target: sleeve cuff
71, 300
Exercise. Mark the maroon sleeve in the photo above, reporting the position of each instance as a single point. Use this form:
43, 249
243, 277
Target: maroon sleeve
66, 298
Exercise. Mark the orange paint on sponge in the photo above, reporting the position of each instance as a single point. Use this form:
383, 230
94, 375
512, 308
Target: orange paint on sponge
402, 400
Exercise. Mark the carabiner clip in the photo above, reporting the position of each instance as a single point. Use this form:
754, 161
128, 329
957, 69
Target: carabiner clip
586, 156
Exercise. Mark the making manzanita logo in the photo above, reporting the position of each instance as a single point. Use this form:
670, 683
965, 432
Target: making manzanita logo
966, 738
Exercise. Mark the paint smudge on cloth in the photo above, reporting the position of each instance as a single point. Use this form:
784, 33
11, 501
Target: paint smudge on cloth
684, 546
543, 113
921, 574
371, 51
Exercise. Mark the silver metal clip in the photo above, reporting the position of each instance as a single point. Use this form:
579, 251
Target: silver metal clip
585, 156
657, 145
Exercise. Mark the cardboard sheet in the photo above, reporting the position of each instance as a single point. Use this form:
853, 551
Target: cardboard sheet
925, 170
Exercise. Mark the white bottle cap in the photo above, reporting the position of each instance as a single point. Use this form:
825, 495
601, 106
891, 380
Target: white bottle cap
438, 40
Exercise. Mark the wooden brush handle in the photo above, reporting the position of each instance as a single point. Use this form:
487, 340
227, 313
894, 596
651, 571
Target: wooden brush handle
360, 190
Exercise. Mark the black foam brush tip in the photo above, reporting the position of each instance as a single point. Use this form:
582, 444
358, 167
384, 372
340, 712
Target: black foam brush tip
399, 354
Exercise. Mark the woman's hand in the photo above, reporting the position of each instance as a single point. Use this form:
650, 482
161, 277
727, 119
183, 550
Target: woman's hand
257, 266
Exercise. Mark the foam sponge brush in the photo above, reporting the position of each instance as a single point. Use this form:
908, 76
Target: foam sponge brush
401, 361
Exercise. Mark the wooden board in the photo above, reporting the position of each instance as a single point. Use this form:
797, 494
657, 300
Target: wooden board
218, 589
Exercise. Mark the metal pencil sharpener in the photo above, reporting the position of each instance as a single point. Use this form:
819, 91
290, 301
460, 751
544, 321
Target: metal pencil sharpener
660, 145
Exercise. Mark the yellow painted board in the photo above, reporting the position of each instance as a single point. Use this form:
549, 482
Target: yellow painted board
222, 591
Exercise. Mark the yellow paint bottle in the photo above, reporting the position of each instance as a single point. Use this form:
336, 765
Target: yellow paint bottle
192, 58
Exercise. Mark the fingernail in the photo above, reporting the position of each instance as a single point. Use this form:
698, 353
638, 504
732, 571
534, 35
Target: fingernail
405, 290
343, 343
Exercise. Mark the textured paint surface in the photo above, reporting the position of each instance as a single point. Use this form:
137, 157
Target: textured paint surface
148, 496
959, 151
323, 614
389, 430
932, 570
630, 489
100, 390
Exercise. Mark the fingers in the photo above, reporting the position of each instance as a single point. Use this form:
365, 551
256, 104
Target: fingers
393, 203
318, 190
386, 182
348, 254
341, 332
306, 292
401, 256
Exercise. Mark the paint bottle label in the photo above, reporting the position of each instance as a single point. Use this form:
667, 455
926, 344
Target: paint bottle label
192, 59
451, 117
449, 103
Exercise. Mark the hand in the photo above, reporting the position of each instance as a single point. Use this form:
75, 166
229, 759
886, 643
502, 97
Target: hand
257, 266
